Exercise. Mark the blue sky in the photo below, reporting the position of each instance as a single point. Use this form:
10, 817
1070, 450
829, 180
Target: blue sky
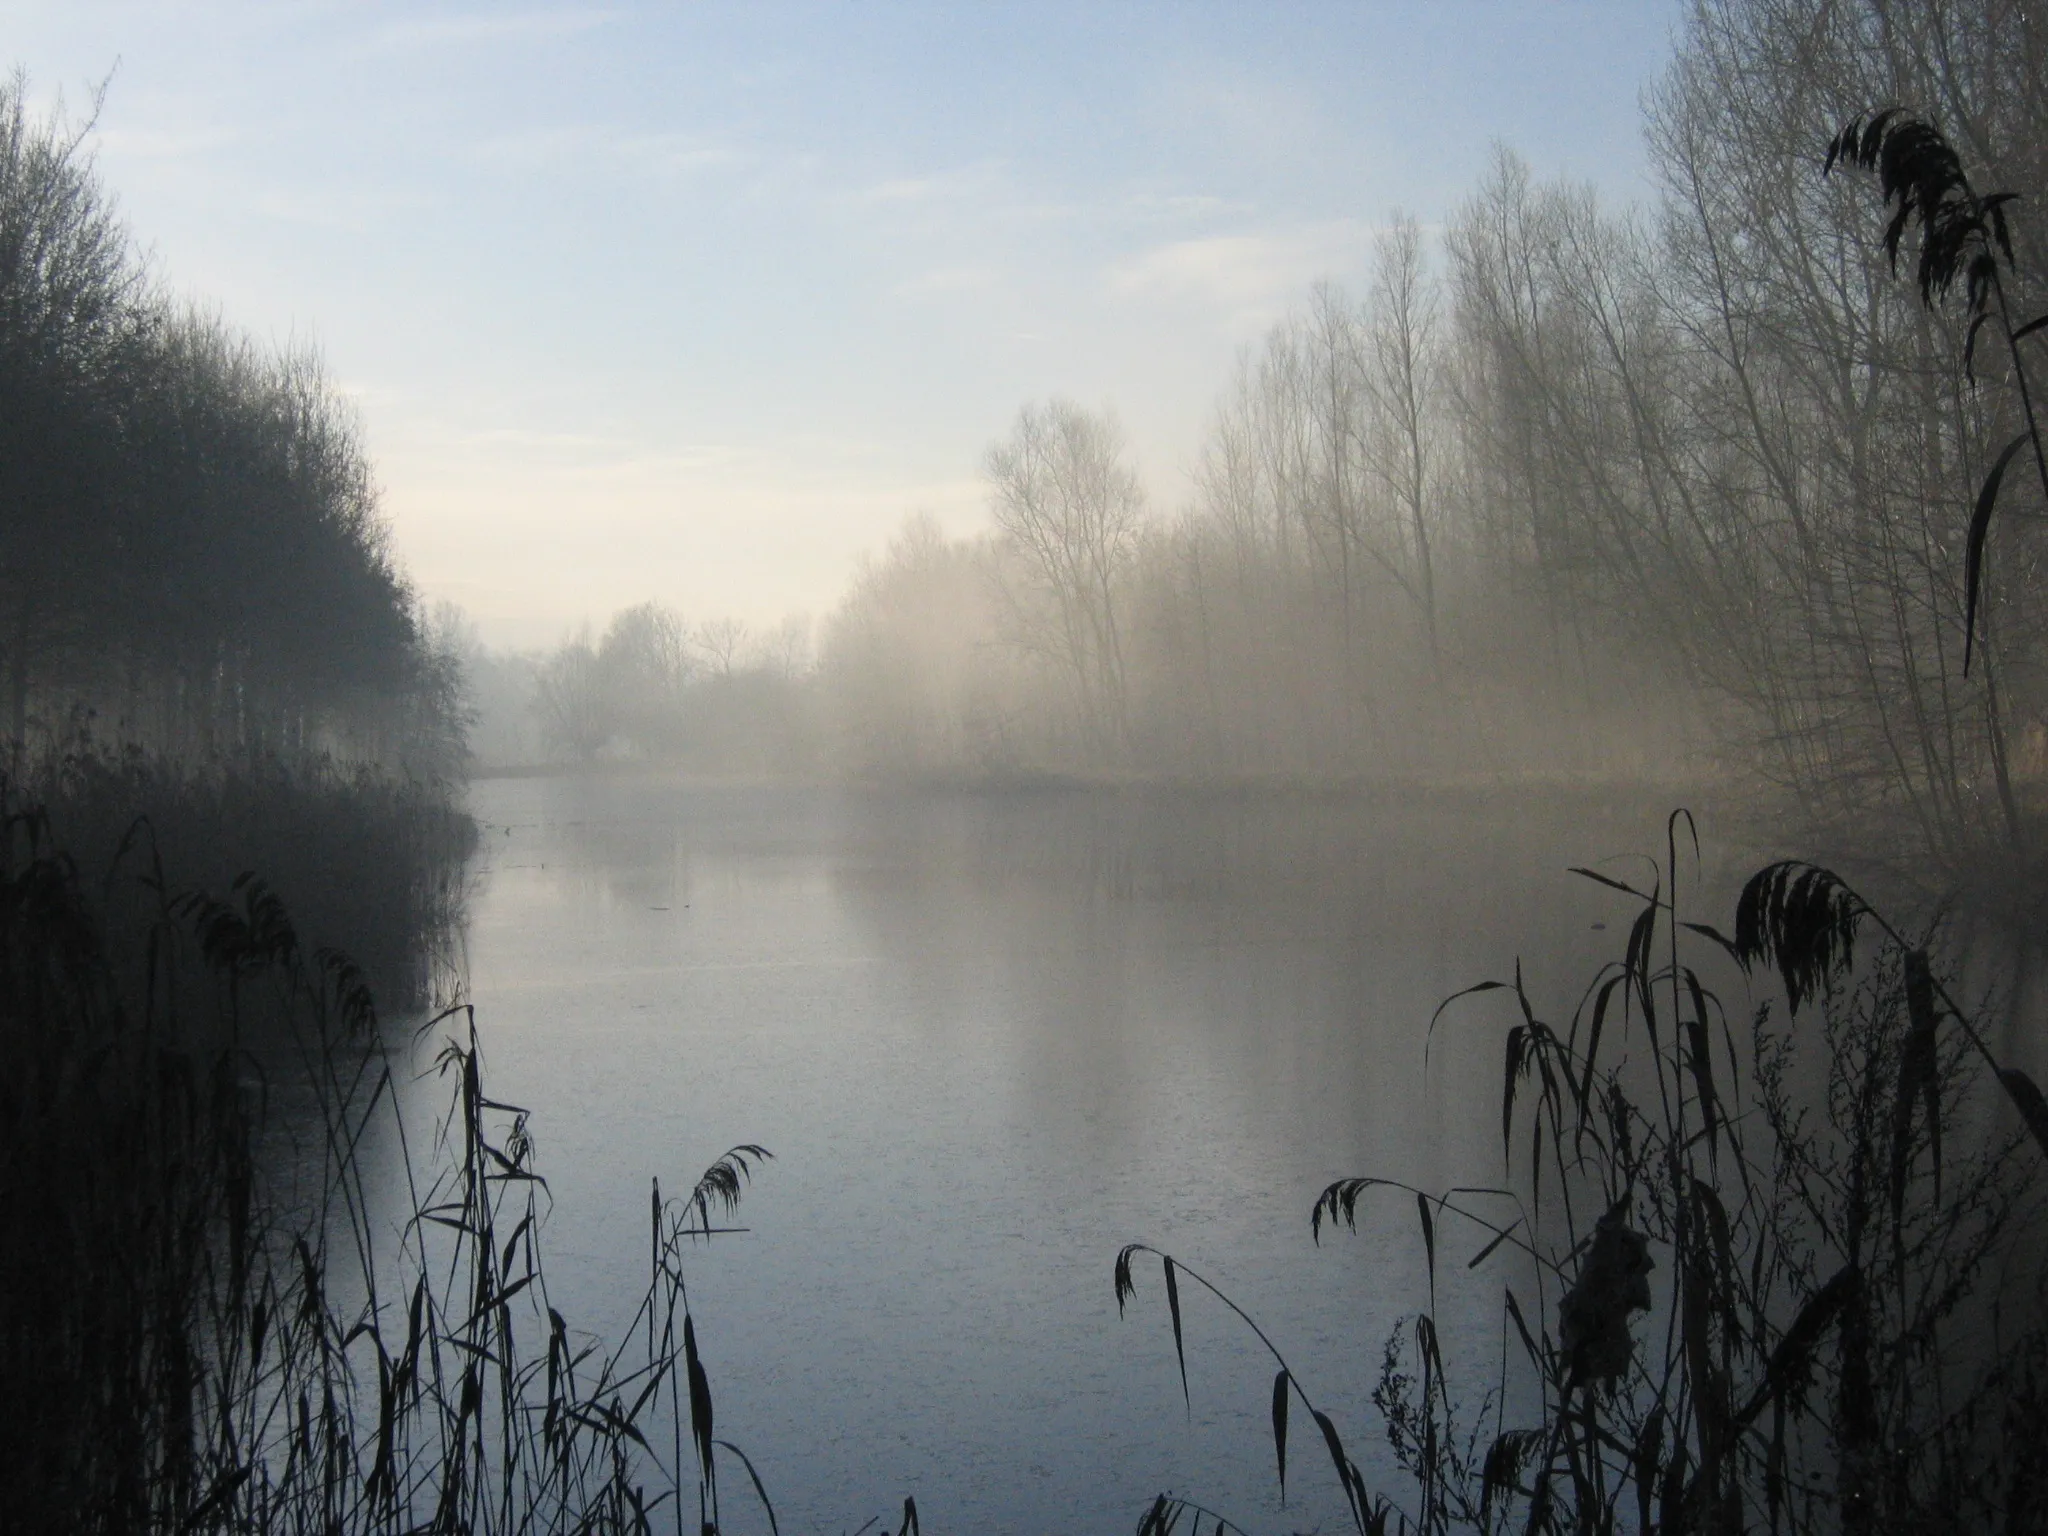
697, 301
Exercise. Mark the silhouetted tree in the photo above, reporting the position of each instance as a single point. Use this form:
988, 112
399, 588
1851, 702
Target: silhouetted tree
191, 554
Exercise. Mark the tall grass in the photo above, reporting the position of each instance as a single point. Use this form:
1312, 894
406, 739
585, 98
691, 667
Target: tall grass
1771, 1262
187, 1347
365, 861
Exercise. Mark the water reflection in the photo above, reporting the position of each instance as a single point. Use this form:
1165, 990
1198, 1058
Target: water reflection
990, 1039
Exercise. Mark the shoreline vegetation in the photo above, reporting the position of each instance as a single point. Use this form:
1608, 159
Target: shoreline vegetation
368, 863
207, 647
1767, 1236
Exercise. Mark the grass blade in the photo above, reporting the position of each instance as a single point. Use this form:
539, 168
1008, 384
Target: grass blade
1280, 1386
2021, 1089
759, 1491
1980, 528
1179, 1346
1428, 1237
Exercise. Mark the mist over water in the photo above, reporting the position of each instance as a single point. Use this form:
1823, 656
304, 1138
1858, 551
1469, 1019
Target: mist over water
990, 1038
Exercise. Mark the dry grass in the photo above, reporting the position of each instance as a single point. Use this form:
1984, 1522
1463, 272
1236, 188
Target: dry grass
192, 1354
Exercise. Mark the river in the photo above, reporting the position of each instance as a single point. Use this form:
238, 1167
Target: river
990, 1038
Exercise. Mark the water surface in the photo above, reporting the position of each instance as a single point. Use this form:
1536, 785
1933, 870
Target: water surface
990, 1038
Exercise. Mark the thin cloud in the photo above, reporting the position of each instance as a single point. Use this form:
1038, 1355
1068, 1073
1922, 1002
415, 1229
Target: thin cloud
637, 154
1248, 276
940, 281
938, 186
584, 455
1167, 207
339, 213
427, 32
161, 143
518, 437
910, 189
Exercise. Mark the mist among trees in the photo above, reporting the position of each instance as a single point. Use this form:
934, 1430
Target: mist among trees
1565, 488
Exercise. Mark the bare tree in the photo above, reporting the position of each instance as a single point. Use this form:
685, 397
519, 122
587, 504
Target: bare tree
645, 665
1332, 366
569, 699
1840, 443
785, 651
908, 656
1070, 510
1402, 369
1705, 465
722, 642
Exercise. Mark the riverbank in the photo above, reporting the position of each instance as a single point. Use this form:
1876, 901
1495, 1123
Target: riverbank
368, 863
1561, 785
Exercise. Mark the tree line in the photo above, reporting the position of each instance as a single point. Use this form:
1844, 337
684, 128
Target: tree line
712, 695
192, 559
1568, 486
1565, 488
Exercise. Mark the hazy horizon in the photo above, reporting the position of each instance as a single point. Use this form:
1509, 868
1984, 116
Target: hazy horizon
697, 305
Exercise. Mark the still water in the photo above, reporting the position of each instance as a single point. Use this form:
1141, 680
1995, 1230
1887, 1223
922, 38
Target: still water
991, 1038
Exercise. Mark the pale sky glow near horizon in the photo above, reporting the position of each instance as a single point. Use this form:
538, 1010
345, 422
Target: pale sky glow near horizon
699, 301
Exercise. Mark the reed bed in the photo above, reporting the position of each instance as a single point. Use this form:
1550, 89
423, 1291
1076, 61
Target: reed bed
188, 1348
1769, 1245
366, 861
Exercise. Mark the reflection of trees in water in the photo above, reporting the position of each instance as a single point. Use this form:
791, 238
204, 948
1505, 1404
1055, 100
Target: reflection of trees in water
1191, 843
